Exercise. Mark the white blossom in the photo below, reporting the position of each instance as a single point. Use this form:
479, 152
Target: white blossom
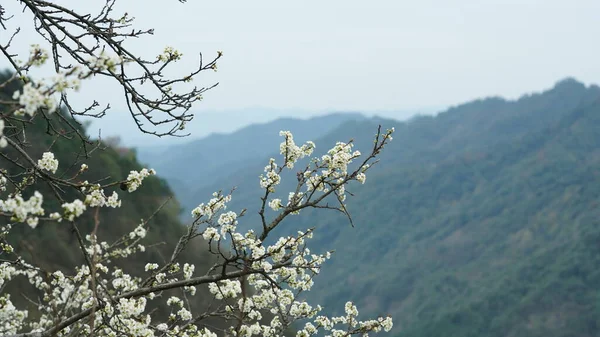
3, 181
216, 204
135, 178
73, 209
48, 162
275, 204
151, 266
169, 54
97, 198
33, 98
22, 209
3, 141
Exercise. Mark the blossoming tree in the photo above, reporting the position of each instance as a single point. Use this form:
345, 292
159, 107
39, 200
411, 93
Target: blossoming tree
257, 285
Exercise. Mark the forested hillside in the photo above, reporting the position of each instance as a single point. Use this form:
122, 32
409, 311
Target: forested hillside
495, 242
480, 221
55, 245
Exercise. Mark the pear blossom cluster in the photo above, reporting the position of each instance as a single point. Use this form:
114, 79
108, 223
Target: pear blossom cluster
291, 151
257, 284
48, 162
275, 204
3, 181
37, 55
135, 178
225, 289
169, 54
117, 303
326, 174
40, 94
104, 62
338, 158
97, 198
217, 203
29, 211
271, 178
24, 210
33, 98
3, 141
73, 209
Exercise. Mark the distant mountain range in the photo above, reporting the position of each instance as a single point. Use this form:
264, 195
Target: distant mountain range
483, 220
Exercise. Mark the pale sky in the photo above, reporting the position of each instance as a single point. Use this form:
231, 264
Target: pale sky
310, 57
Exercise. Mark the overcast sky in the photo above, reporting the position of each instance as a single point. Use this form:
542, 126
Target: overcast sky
308, 57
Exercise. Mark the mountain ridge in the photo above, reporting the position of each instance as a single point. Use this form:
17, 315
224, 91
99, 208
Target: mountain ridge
470, 221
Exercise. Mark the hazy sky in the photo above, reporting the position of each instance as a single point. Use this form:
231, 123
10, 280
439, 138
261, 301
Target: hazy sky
315, 56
